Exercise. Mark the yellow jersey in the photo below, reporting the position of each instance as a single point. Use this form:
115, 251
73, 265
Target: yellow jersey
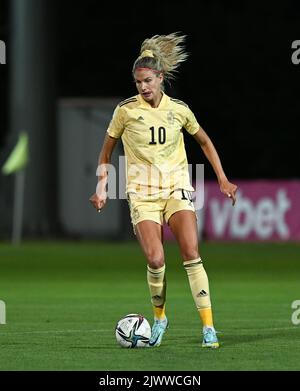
156, 161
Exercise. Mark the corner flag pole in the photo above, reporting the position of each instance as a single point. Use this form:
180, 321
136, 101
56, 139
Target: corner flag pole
18, 207
16, 163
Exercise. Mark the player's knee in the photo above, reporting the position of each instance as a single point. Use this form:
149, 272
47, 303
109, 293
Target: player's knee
155, 259
189, 253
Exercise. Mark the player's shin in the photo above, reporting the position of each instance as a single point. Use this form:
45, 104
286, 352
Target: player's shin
157, 285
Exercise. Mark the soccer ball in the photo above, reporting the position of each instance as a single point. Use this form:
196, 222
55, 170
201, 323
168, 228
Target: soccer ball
133, 331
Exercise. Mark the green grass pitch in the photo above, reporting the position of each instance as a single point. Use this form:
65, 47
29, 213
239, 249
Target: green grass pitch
64, 299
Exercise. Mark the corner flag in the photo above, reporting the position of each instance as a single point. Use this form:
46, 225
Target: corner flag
15, 164
18, 158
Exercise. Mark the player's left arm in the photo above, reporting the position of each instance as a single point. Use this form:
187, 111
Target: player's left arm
227, 188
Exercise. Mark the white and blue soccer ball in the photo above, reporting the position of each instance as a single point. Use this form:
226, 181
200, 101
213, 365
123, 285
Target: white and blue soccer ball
133, 331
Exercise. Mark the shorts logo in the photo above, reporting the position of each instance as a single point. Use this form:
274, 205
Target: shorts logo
187, 195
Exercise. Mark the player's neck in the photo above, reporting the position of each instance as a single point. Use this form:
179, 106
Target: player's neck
156, 101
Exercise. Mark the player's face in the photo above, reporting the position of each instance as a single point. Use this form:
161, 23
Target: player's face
148, 83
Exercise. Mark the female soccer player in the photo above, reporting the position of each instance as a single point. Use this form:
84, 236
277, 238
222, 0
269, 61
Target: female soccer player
158, 183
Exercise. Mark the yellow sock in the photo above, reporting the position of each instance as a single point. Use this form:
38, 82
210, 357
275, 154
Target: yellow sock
157, 286
159, 312
206, 317
200, 289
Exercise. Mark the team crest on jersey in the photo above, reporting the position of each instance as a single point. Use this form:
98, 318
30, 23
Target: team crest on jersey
170, 117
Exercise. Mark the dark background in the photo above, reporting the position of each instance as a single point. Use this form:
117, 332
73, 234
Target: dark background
239, 80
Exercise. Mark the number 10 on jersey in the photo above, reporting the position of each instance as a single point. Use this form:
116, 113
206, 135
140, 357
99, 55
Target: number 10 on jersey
158, 134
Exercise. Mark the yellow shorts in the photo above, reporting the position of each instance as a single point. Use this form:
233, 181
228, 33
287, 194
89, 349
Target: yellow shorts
159, 210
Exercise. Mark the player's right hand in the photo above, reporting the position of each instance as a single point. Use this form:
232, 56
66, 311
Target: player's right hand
97, 201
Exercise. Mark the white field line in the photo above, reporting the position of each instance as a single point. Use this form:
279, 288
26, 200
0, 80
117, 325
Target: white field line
249, 331
56, 331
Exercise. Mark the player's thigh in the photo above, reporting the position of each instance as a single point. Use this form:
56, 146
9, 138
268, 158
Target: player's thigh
183, 224
150, 237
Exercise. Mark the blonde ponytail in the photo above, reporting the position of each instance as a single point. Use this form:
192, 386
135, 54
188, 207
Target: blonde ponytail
163, 54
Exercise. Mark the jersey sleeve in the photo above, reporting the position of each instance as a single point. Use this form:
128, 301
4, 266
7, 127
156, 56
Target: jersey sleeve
117, 123
191, 125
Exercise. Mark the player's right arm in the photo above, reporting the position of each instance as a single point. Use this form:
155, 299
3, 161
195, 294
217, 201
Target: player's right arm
114, 132
98, 199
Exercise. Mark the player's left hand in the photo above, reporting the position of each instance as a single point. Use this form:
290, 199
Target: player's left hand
229, 189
